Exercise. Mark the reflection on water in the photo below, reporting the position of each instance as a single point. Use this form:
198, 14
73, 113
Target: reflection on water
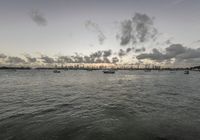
81, 105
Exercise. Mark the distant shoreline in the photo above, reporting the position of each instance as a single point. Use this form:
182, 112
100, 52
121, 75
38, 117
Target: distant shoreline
81, 68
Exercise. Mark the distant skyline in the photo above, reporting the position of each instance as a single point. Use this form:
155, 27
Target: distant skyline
106, 31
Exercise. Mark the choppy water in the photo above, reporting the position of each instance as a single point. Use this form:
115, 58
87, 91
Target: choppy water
81, 105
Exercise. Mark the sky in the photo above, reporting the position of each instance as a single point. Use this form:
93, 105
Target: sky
130, 31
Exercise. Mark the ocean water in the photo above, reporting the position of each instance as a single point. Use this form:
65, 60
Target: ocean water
82, 105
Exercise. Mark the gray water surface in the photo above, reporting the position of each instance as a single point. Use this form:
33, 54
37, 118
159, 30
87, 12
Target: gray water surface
82, 105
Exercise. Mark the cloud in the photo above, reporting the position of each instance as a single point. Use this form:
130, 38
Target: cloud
126, 33
38, 18
106, 60
2, 56
30, 59
96, 29
77, 58
115, 60
97, 54
47, 59
138, 29
96, 57
107, 53
175, 51
64, 59
189, 54
102, 56
138, 50
177, 2
129, 50
121, 53
15, 60
155, 55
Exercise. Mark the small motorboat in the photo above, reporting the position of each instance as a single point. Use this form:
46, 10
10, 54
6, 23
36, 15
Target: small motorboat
109, 71
56, 71
186, 72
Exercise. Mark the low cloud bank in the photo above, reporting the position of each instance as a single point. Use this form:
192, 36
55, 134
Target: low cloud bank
178, 52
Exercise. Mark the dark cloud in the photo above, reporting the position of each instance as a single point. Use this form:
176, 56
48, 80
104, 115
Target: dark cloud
107, 53
174, 51
122, 53
129, 50
155, 55
126, 33
115, 60
125, 52
100, 57
139, 29
189, 54
97, 54
95, 28
38, 18
140, 50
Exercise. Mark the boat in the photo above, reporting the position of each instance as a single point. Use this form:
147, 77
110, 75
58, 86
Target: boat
56, 71
186, 72
110, 71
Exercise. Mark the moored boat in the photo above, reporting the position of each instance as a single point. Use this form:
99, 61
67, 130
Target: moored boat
56, 71
110, 71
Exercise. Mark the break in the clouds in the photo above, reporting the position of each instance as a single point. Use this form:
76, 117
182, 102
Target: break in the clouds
38, 17
94, 27
175, 51
139, 29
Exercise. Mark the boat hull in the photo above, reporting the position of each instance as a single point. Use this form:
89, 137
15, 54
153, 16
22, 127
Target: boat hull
109, 72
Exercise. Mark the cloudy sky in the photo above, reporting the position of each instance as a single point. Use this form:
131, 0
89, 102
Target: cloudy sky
162, 31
